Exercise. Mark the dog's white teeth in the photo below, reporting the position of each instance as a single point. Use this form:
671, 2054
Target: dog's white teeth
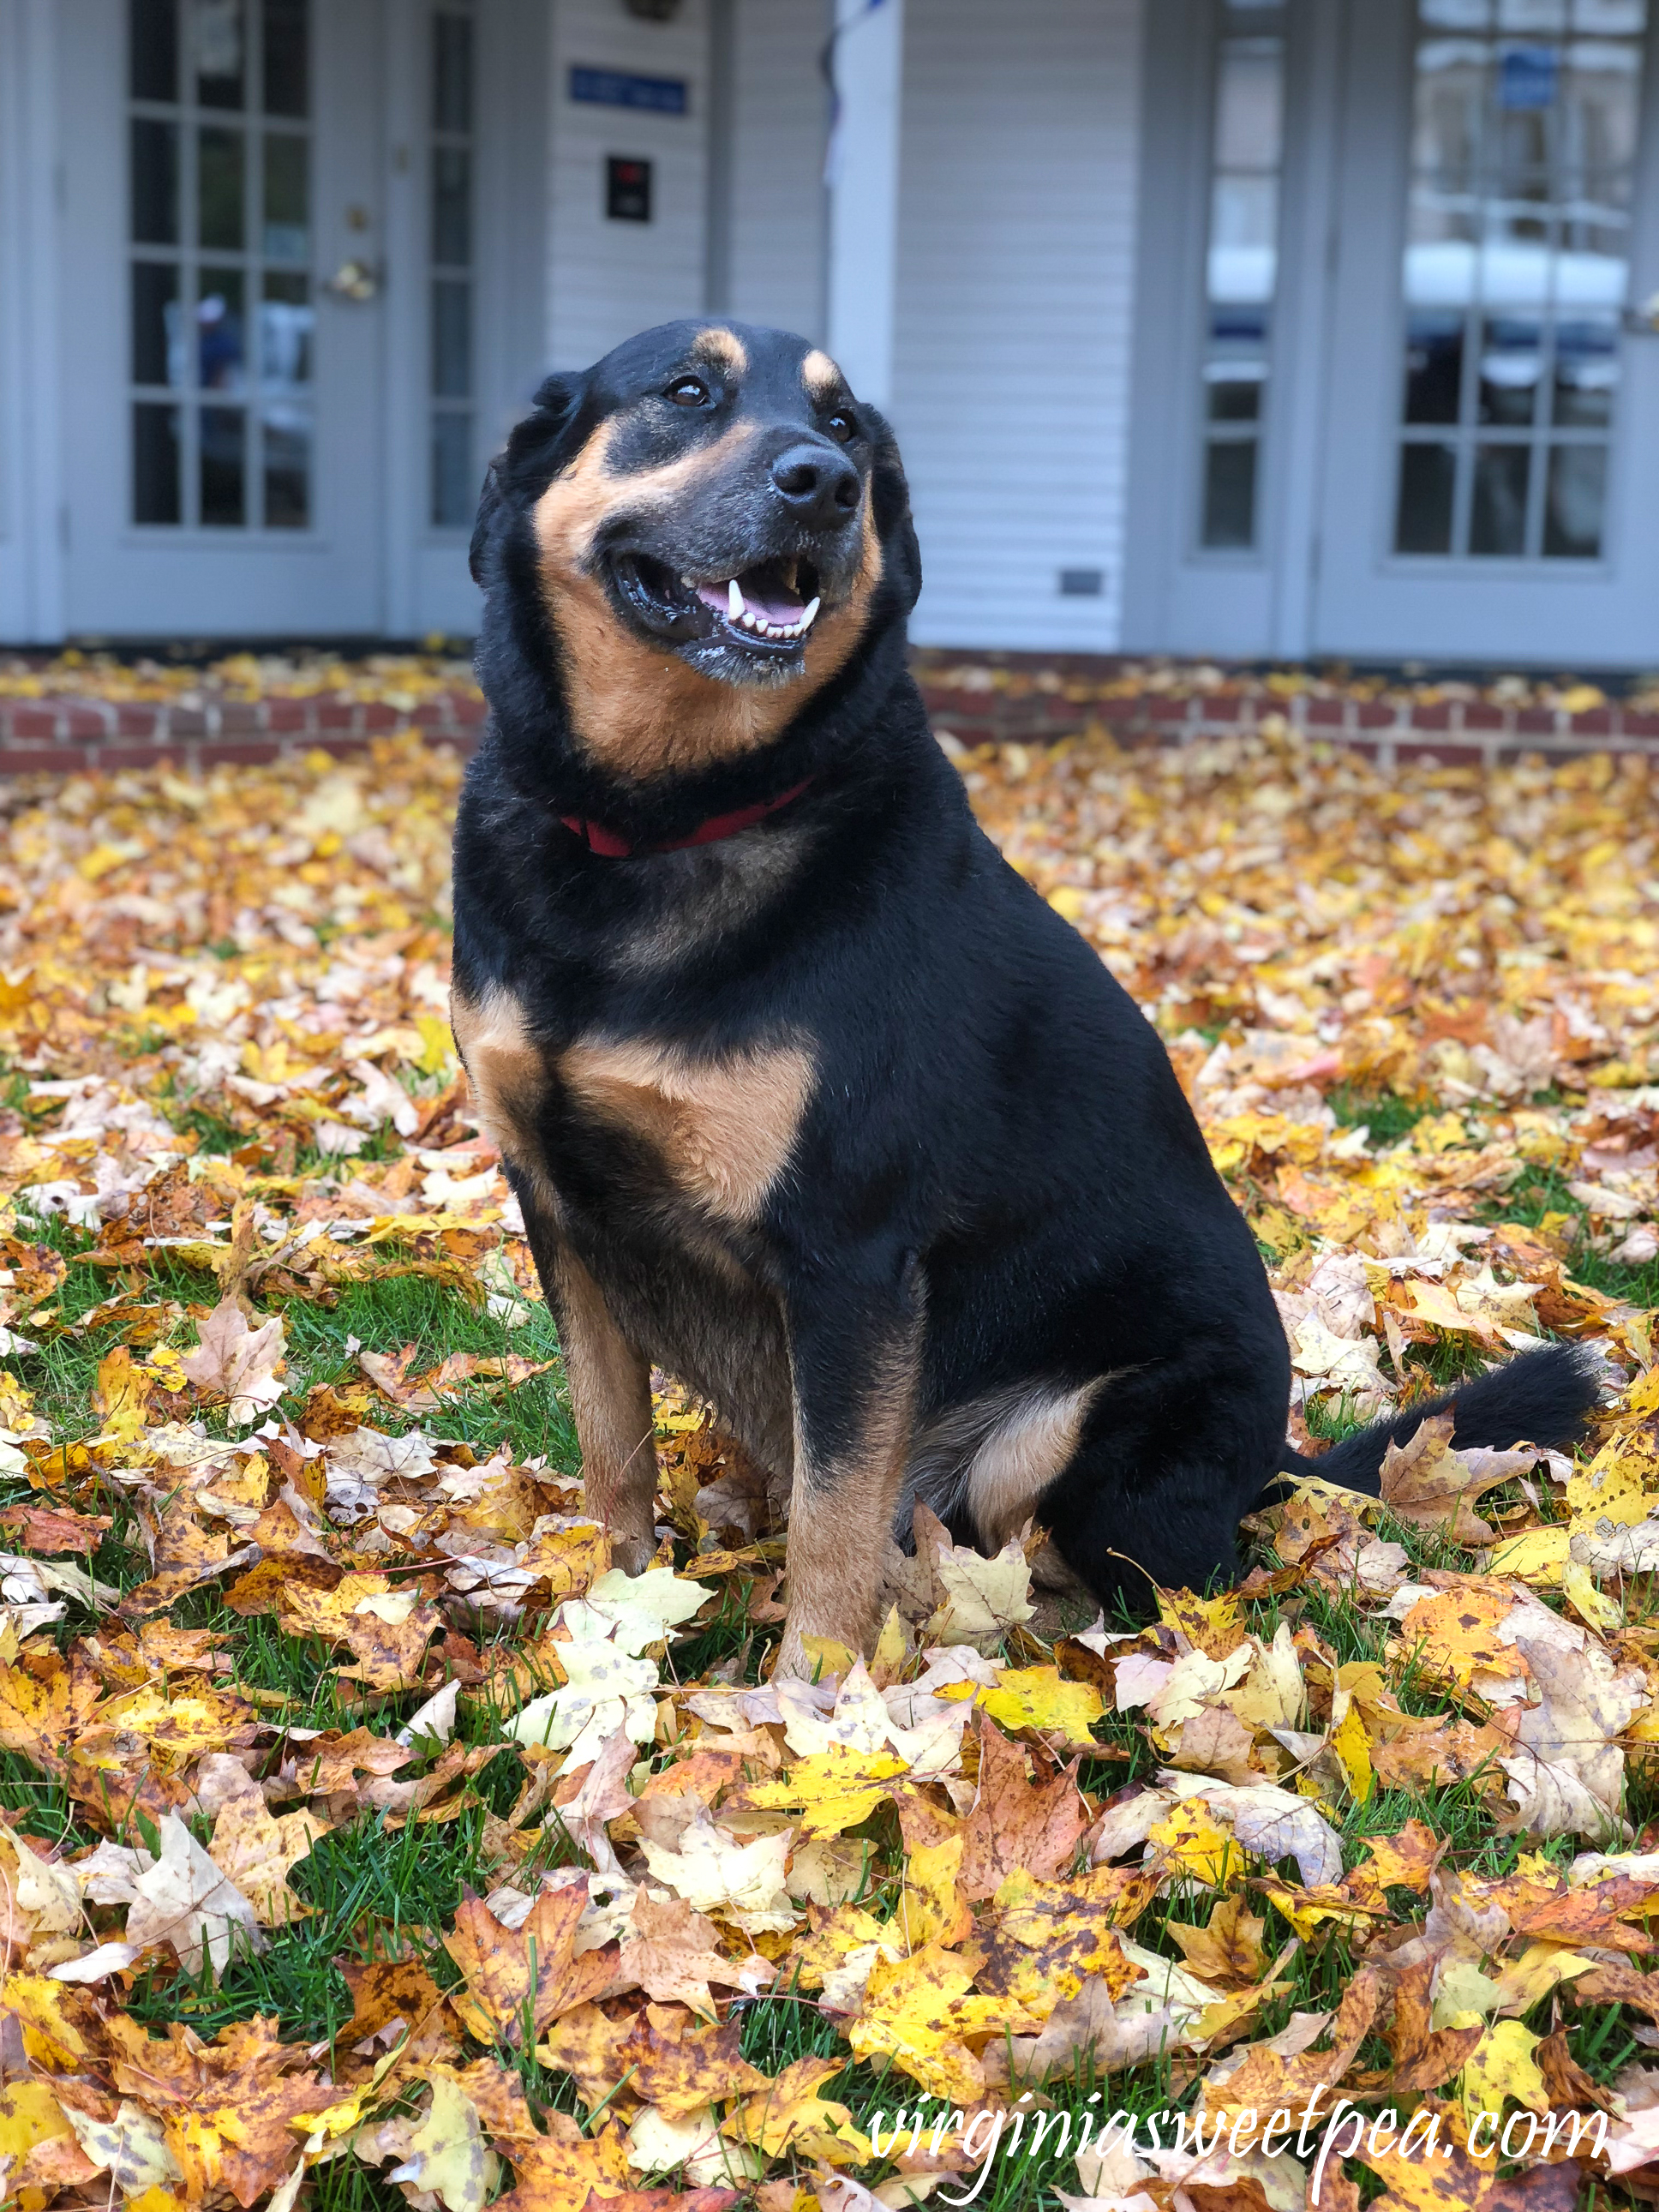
746, 618
734, 600
809, 613
689, 583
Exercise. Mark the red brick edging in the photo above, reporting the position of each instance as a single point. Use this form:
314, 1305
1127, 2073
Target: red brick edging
1031, 699
64, 734
1035, 699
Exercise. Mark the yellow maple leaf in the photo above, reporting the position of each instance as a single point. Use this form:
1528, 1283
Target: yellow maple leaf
1503, 2067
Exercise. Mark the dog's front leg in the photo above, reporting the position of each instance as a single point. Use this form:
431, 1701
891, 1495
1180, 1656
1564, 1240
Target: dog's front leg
610, 1383
855, 1357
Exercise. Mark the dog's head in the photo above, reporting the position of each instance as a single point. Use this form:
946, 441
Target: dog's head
707, 525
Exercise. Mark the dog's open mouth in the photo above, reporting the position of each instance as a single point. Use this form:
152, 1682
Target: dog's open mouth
767, 609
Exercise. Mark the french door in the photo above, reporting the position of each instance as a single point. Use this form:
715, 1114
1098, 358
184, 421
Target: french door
221, 310
1397, 363
298, 307
1492, 420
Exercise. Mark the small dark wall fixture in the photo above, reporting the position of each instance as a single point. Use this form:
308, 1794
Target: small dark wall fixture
1082, 583
627, 189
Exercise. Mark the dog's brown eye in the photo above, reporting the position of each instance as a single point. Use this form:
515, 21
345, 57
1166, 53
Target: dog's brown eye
841, 425
687, 391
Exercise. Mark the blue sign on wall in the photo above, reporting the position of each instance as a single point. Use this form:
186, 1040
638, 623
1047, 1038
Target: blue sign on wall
603, 88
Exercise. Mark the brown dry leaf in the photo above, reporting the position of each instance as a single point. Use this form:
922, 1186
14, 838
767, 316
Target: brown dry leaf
505, 1995
673, 1953
392, 1999
227, 2108
1428, 1484
1263, 2079
48, 1530
1227, 1948
255, 1848
239, 1364
1016, 1826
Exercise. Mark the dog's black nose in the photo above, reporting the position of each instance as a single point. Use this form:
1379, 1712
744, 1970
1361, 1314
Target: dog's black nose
821, 487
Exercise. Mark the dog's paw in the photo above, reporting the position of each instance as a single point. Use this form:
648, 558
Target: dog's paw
633, 1555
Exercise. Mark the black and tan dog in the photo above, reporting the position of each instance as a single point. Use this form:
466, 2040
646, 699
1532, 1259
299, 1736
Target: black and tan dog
808, 1098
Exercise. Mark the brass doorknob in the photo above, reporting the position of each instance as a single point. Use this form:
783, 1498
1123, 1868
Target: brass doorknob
354, 280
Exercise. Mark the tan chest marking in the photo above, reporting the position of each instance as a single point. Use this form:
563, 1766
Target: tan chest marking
724, 1128
506, 1071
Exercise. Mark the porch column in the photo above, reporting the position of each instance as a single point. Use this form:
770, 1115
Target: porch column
868, 64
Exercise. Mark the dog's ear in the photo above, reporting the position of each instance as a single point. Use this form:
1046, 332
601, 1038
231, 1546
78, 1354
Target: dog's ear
890, 498
533, 451
490, 500
535, 443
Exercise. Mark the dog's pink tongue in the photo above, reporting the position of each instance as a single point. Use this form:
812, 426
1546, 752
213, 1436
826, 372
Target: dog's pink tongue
777, 607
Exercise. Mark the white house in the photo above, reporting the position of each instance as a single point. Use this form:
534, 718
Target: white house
1262, 328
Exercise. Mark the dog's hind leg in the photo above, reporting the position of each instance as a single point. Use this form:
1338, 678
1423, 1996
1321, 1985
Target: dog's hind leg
610, 1383
854, 1356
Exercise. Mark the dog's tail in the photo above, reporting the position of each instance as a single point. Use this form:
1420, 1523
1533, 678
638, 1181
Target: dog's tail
1542, 1397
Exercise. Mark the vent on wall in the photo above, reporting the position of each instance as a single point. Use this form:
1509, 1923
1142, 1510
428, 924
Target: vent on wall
653, 11
1082, 583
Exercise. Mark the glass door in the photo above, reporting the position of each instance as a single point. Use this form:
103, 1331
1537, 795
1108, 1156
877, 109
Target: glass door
1494, 396
222, 336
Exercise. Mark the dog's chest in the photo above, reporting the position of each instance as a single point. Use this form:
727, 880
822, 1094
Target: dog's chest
715, 1127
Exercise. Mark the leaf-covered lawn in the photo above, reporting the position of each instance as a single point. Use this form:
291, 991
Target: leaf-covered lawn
367, 1839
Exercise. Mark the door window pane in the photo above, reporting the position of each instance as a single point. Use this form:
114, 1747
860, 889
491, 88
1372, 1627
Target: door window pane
219, 170
1498, 522
1574, 502
1241, 268
155, 182
286, 322
153, 49
452, 72
222, 470
1428, 474
287, 432
287, 180
155, 322
220, 350
155, 462
226, 316
451, 340
1586, 372
452, 206
286, 74
1516, 268
218, 53
1434, 367
454, 494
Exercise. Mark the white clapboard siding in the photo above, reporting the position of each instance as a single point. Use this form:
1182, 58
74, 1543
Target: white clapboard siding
779, 110
605, 279
1016, 269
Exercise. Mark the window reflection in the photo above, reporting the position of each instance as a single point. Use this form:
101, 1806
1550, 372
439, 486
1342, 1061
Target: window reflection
1241, 268
1524, 144
221, 316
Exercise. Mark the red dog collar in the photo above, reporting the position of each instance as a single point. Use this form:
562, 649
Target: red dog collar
599, 839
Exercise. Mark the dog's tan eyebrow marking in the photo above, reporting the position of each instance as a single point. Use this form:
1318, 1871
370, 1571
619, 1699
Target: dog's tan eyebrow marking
724, 346
821, 377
